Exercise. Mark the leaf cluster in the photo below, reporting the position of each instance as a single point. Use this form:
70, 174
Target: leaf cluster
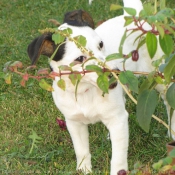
161, 34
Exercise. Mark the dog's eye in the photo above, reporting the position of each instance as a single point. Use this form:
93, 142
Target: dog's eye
80, 59
101, 44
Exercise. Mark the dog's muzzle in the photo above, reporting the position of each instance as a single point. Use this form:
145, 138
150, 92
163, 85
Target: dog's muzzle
114, 82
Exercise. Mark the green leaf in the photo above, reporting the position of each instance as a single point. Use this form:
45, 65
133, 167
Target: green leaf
76, 87
170, 29
91, 58
151, 19
34, 136
141, 42
74, 77
166, 44
74, 63
167, 160
61, 84
147, 84
130, 11
35, 139
115, 7
67, 31
160, 29
162, 67
147, 101
160, 17
172, 153
170, 95
159, 80
81, 40
44, 85
8, 78
151, 43
112, 80
94, 68
151, 75
169, 69
128, 20
158, 165
65, 68
58, 38
122, 42
157, 62
102, 82
166, 12
128, 78
114, 56
148, 10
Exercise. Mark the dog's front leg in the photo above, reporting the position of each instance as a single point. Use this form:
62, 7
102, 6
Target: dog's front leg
118, 128
80, 138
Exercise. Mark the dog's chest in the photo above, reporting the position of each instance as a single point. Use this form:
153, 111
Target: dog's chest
85, 107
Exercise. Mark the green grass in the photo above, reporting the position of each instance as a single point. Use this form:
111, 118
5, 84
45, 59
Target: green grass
25, 109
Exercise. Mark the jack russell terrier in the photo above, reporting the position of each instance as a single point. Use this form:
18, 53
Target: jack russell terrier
89, 106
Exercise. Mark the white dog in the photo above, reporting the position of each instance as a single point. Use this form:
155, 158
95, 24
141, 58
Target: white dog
90, 106
111, 33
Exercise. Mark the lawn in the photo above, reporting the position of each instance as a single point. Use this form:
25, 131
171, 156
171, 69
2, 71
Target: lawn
29, 110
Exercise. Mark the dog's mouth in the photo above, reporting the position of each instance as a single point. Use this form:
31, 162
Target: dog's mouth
80, 59
112, 80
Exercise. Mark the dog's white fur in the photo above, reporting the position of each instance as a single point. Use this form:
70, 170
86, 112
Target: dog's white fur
91, 106
90, 1
111, 33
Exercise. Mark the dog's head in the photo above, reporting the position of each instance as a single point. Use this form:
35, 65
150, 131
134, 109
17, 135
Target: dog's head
81, 23
76, 20
68, 51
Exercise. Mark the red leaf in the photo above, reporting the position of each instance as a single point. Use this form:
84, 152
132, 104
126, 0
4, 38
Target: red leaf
61, 123
26, 77
43, 71
23, 83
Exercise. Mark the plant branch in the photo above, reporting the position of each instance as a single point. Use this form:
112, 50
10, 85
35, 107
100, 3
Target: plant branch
52, 74
139, 26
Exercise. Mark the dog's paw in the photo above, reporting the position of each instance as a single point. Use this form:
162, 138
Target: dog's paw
85, 167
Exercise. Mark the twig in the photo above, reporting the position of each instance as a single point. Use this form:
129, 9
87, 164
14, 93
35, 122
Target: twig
107, 69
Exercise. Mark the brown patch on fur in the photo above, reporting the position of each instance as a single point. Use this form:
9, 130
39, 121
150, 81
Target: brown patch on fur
79, 18
42, 45
47, 48
87, 18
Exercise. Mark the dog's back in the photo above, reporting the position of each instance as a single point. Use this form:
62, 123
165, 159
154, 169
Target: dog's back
111, 33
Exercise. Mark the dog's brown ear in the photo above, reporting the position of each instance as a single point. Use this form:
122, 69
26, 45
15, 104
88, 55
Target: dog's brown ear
79, 18
42, 45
